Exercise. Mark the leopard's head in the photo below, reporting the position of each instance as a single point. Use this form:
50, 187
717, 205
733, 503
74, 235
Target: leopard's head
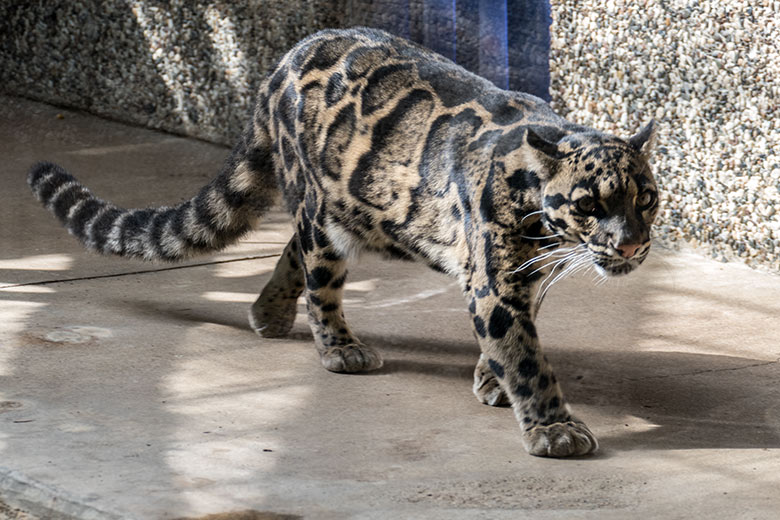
599, 194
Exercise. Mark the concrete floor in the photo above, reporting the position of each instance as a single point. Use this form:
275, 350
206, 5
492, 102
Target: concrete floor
132, 390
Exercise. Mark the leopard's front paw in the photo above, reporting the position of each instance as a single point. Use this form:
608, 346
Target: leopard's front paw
350, 358
565, 439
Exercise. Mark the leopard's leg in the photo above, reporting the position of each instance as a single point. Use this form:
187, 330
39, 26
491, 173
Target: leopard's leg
325, 272
486, 385
510, 350
273, 313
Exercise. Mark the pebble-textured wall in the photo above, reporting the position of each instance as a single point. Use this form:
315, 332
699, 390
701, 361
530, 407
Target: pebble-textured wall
708, 71
187, 67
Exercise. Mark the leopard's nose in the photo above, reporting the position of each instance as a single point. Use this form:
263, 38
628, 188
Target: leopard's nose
628, 250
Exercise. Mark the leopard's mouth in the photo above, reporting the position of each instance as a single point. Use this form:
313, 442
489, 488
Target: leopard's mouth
617, 268
610, 266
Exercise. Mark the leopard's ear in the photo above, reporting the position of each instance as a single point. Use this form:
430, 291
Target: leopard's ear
542, 153
546, 146
644, 140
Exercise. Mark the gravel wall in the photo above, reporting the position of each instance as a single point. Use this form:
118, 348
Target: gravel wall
188, 67
709, 73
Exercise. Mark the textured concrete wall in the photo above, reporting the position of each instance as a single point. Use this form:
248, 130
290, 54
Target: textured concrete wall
192, 67
709, 73
188, 67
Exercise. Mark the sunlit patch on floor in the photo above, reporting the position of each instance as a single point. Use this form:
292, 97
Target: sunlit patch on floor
362, 285
38, 263
14, 315
28, 289
225, 296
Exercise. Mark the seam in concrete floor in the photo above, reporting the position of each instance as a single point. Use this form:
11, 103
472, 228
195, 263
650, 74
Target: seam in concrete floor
34, 500
143, 271
709, 371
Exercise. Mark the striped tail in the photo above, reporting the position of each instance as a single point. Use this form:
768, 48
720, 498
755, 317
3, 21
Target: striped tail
223, 210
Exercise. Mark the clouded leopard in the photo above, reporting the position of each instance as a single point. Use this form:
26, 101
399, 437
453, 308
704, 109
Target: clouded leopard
380, 145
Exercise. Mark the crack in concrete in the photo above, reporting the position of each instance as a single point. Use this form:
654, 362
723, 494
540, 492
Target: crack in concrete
708, 371
143, 271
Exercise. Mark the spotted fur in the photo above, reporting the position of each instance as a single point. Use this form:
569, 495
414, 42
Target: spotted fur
380, 145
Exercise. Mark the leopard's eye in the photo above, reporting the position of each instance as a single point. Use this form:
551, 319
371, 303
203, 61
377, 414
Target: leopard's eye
645, 199
587, 205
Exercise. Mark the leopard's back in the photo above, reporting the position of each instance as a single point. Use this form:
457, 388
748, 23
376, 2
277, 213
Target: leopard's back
376, 123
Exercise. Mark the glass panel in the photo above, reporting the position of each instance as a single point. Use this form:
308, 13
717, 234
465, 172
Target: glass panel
505, 41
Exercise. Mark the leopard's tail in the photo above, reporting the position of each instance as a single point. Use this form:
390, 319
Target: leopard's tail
217, 216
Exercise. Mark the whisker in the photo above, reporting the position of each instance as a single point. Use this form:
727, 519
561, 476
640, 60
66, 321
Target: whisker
582, 259
578, 257
562, 255
569, 272
584, 267
581, 263
541, 238
562, 251
539, 293
557, 262
531, 214
549, 246
533, 260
